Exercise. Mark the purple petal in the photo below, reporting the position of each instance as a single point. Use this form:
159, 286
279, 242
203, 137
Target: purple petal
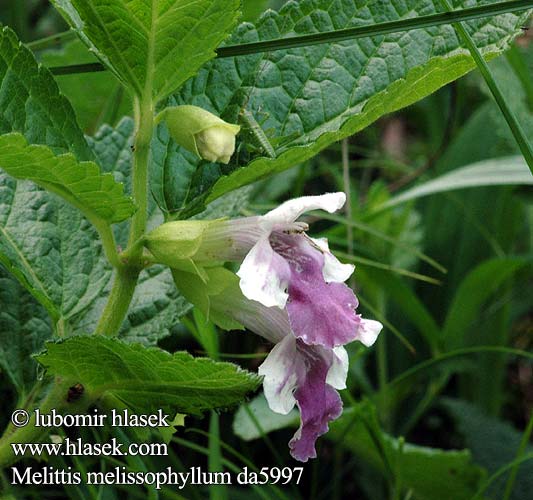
320, 313
319, 403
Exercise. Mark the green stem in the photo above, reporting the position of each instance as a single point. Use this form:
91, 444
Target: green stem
521, 449
512, 121
128, 271
341, 35
56, 399
118, 302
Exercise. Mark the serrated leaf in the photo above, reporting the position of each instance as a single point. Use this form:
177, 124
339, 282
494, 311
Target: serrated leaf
24, 327
302, 100
51, 249
31, 104
147, 379
82, 184
47, 245
152, 46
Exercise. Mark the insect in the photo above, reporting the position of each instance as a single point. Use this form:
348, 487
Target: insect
75, 392
258, 133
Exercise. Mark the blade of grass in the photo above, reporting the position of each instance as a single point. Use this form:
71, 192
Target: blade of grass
386, 323
342, 35
380, 265
378, 234
228, 464
519, 455
518, 133
430, 363
500, 472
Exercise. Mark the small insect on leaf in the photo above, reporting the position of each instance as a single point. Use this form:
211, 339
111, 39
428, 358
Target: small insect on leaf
75, 393
258, 133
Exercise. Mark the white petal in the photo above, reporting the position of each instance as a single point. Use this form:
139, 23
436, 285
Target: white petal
369, 330
289, 211
338, 371
280, 370
333, 271
265, 275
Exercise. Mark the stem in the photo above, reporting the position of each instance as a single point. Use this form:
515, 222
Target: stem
518, 133
128, 271
521, 449
56, 399
118, 302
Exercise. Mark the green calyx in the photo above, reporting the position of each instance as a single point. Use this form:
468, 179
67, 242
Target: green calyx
175, 242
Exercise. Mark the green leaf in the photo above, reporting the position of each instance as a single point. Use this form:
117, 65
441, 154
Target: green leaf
152, 46
431, 473
24, 327
245, 427
146, 379
493, 443
31, 103
106, 100
51, 249
302, 100
97, 195
511, 170
47, 245
475, 289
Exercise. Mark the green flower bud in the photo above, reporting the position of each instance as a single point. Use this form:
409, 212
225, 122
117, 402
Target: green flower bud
201, 132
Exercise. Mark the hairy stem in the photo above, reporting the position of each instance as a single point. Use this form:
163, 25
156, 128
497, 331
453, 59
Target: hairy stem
128, 271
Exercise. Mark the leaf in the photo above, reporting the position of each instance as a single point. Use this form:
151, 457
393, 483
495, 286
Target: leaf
31, 103
511, 170
51, 249
47, 245
105, 101
304, 99
475, 289
24, 327
494, 443
245, 427
152, 46
431, 473
147, 379
97, 195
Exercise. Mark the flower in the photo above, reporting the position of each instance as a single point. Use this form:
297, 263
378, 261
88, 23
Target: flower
281, 266
289, 289
201, 132
294, 372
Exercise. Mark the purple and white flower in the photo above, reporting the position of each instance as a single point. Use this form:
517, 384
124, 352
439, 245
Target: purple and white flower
283, 267
289, 289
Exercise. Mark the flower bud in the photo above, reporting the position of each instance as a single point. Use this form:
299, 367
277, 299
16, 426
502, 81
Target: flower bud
201, 132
